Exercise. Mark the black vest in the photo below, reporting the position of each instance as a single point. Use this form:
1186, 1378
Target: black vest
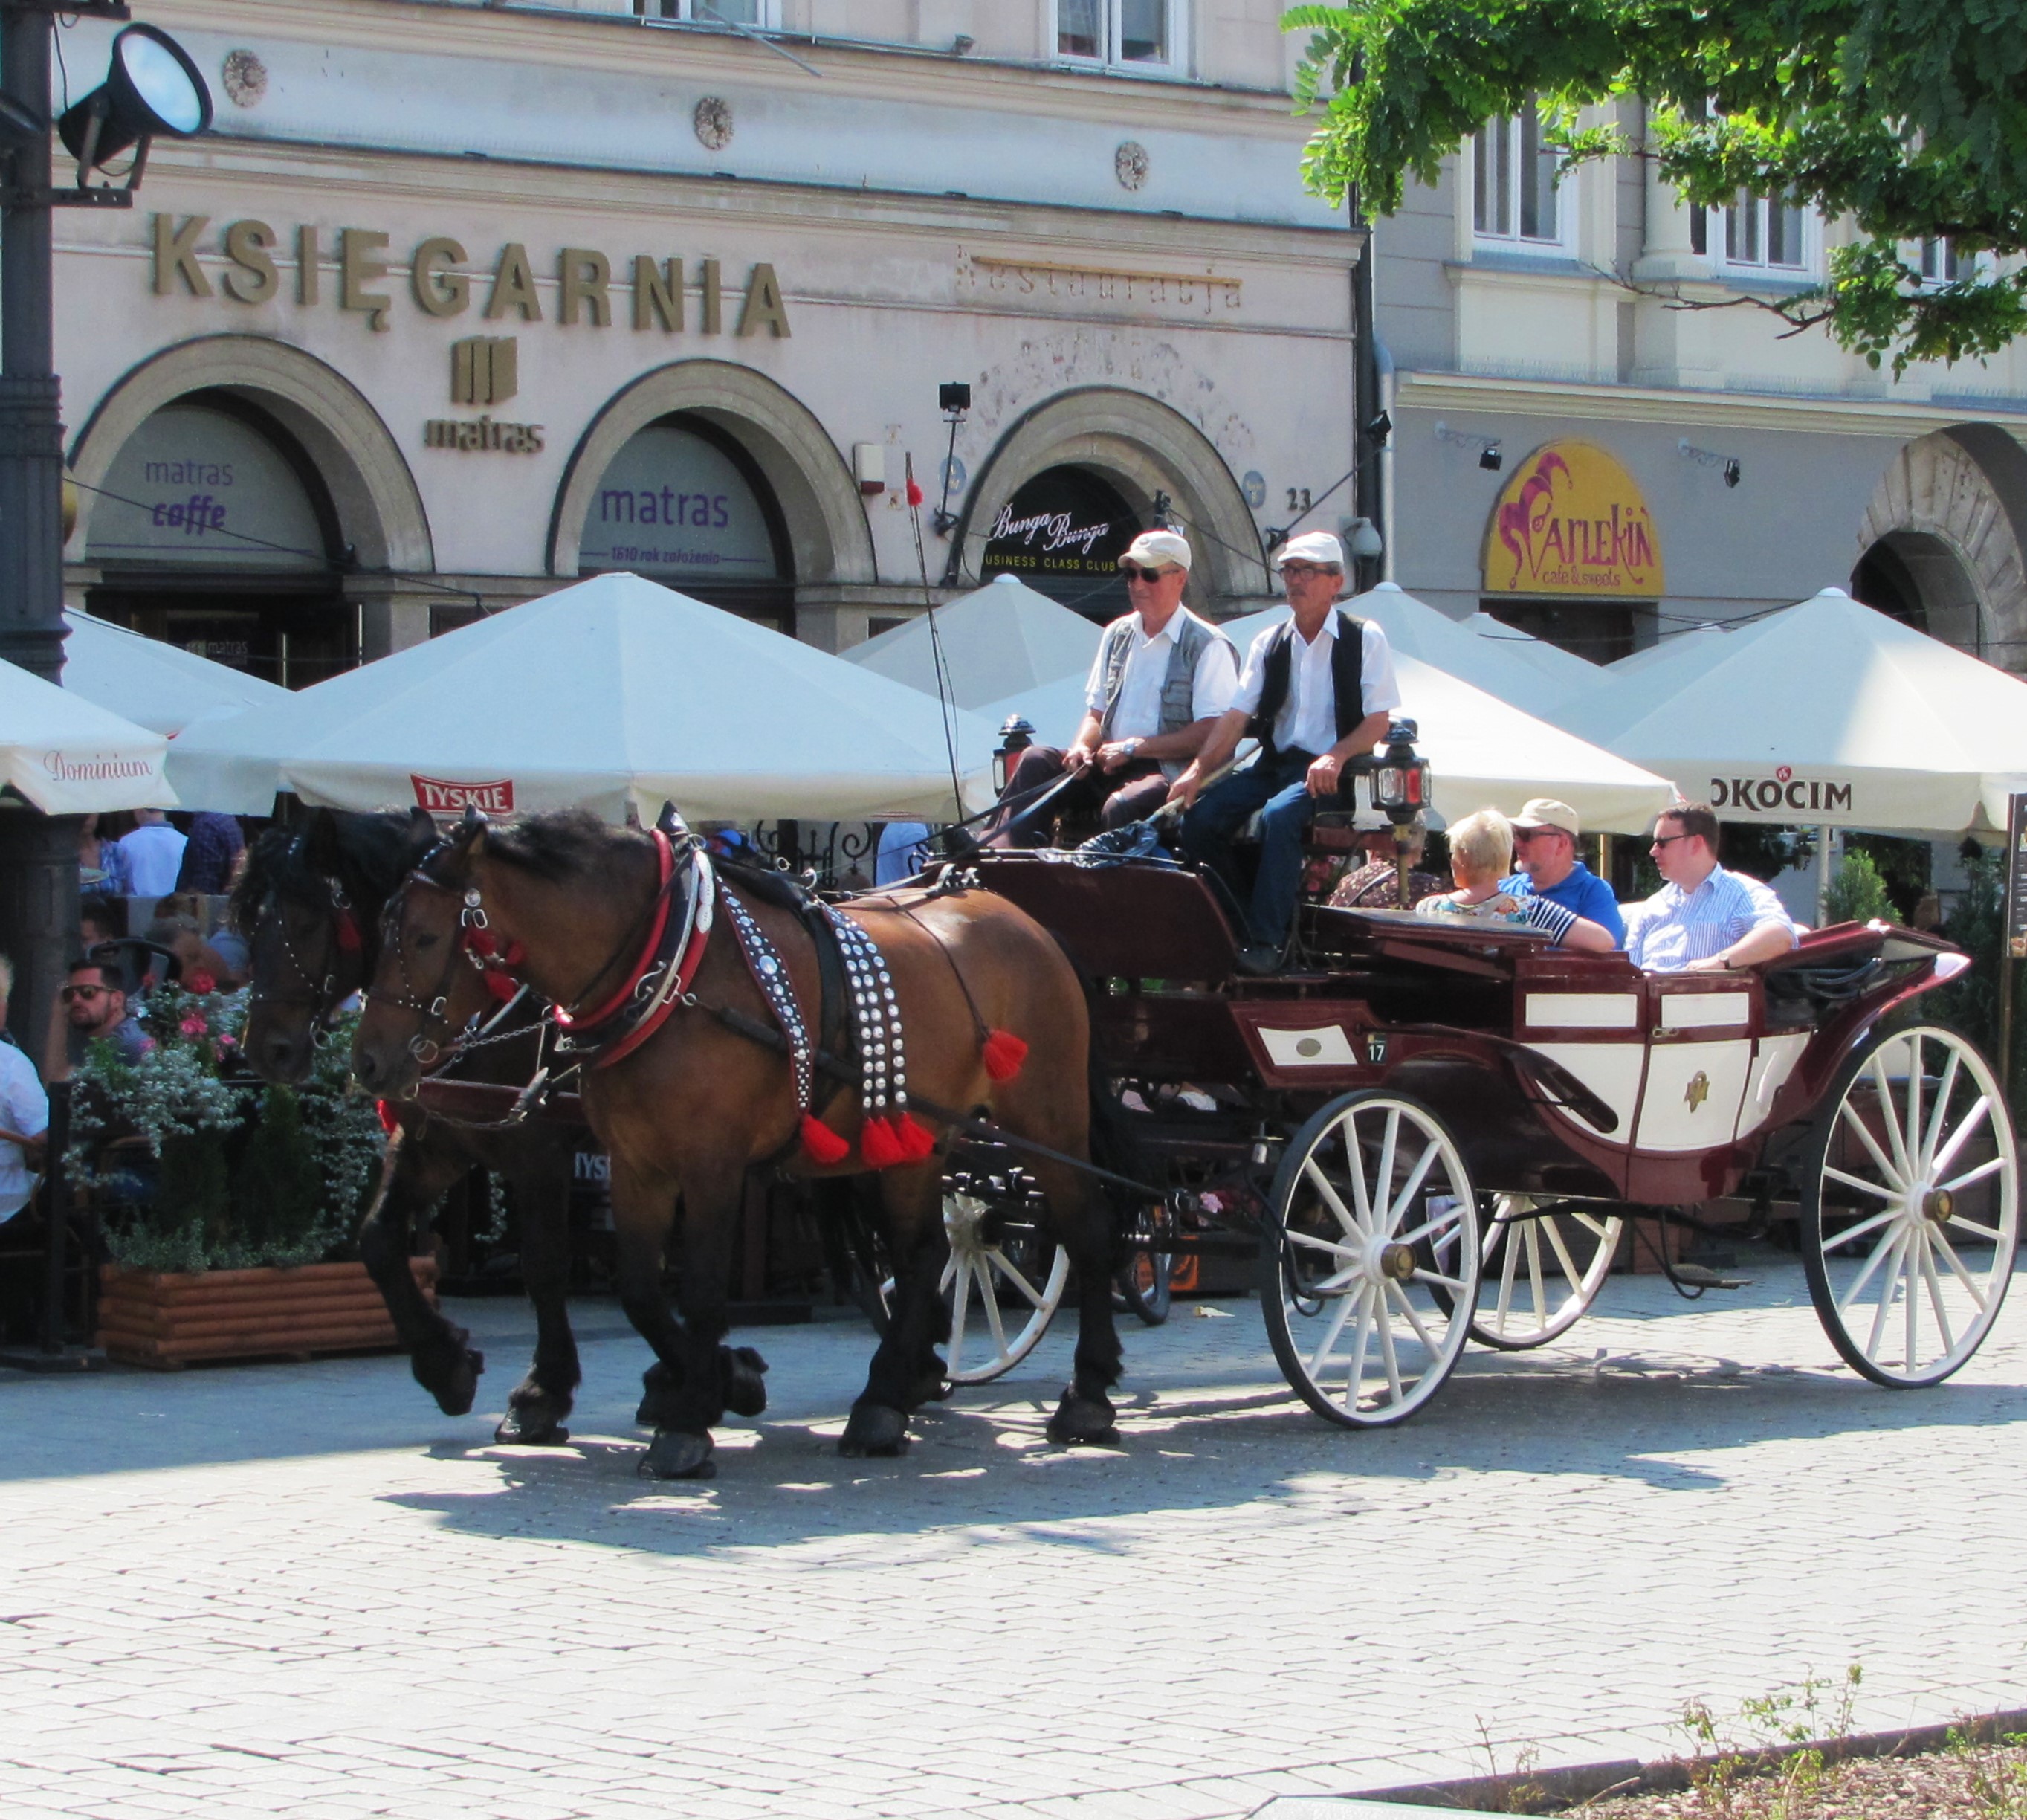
1347, 679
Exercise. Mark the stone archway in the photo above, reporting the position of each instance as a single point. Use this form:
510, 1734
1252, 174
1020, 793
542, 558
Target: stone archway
1946, 533
1143, 448
811, 479
378, 507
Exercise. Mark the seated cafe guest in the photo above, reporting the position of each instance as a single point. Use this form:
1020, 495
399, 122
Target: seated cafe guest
94, 1006
1373, 885
1481, 854
1162, 678
151, 856
1544, 852
1703, 919
24, 1113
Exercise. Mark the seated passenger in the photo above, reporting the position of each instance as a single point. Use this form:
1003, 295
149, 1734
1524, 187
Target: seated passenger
1481, 854
1544, 850
1162, 678
1372, 885
1704, 919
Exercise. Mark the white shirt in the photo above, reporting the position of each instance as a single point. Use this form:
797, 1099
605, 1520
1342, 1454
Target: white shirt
24, 1108
1139, 715
150, 858
1308, 719
1668, 930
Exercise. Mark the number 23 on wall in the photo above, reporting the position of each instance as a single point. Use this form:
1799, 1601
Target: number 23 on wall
1299, 499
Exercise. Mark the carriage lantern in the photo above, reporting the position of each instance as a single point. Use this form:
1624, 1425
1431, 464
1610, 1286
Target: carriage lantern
1400, 780
1015, 737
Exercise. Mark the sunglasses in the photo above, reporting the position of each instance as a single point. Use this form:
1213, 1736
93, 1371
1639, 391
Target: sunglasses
1663, 840
71, 993
1134, 573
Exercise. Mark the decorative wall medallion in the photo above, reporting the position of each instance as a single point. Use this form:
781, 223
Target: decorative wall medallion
1129, 163
244, 76
713, 121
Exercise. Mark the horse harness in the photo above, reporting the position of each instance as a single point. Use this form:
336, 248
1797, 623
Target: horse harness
321, 999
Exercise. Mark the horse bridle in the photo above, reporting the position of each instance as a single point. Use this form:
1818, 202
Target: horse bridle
321, 999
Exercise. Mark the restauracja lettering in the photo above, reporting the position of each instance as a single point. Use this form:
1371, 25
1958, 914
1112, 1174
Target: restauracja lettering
439, 287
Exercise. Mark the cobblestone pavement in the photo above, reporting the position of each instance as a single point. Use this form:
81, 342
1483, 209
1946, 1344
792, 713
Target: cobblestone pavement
299, 1590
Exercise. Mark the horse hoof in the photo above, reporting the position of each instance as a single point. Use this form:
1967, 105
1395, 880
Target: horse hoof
530, 1425
675, 1455
1083, 1421
744, 1368
931, 1387
874, 1432
657, 1395
454, 1381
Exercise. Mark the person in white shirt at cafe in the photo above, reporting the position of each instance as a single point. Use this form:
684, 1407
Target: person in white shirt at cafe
1161, 678
1704, 919
151, 856
24, 1113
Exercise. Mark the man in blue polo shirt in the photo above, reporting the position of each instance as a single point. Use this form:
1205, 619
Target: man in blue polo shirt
1544, 849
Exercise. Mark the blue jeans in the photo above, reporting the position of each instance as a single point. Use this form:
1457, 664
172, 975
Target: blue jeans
1278, 790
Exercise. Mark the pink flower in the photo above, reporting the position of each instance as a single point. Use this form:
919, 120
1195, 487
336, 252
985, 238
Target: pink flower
202, 983
225, 1042
193, 1027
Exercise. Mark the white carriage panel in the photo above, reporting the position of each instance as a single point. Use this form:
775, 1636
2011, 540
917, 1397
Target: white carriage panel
1771, 1066
1703, 1010
1328, 1048
1694, 1093
1611, 1070
1584, 1010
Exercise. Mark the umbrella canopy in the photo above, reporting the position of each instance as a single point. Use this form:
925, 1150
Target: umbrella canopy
1529, 672
616, 691
155, 684
1483, 752
998, 640
70, 757
1826, 712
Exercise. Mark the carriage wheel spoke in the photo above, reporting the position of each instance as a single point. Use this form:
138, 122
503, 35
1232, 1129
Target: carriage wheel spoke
988, 1299
1414, 1320
1894, 1249
1863, 1186
1449, 1217
1013, 1276
1941, 1110
1441, 1281
1911, 1138
1910, 1295
1386, 1347
1956, 1265
1506, 1269
1356, 1226
1980, 1110
1534, 1273
1382, 1176
961, 1303
1354, 1163
1896, 1176
1348, 1253
1600, 1229
1936, 1301
1347, 1306
1563, 1255
1987, 1234
1357, 1379
1877, 1068
1410, 1188
1850, 1233
1978, 1174
1881, 1254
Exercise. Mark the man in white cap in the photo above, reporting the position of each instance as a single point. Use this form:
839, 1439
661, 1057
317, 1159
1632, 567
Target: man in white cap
1544, 856
1162, 678
1317, 690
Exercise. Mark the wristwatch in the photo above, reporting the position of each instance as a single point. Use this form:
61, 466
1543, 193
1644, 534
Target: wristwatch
1133, 745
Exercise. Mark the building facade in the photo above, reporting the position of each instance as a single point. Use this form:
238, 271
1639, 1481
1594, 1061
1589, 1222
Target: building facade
1599, 436
459, 303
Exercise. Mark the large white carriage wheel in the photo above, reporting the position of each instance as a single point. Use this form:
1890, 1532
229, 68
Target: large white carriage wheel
1370, 1263
1910, 1209
1002, 1283
1541, 1270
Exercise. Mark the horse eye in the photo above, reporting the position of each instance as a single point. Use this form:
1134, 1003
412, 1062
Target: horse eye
427, 940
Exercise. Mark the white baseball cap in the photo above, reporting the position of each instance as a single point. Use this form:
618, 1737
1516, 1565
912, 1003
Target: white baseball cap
1546, 812
1316, 546
1156, 547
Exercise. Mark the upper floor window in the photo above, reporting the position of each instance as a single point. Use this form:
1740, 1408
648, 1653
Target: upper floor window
1937, 262
710, 12
1144, 33
1754, 233
1514, 192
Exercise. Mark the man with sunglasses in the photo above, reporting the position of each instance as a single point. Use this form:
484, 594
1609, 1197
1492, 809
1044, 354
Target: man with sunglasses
1545, 865
1162, 678
1703, 919
94, 1003
1317, 690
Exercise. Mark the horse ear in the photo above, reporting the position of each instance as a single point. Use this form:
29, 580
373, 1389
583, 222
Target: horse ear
422, 830
474, 824
670, 821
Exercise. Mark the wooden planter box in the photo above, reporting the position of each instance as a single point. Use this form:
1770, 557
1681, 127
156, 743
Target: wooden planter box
156, 1319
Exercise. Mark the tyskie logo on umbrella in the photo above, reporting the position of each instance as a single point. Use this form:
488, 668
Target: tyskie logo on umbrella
441, 797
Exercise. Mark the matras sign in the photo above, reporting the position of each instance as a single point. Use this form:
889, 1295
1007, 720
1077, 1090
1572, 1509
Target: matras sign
441, 797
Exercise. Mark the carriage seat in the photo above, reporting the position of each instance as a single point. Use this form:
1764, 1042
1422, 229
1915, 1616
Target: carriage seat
1136, 921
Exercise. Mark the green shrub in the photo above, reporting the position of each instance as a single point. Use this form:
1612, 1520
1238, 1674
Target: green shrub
1858, 894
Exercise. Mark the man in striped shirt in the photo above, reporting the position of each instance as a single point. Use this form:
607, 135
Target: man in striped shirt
1704, 919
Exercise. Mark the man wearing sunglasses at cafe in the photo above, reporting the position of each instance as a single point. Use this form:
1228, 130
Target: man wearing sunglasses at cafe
1162, 678
1704, 919
1318, 690
94, 1006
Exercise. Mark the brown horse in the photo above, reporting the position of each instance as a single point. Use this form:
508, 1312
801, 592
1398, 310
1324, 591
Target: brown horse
566, 902
309, 904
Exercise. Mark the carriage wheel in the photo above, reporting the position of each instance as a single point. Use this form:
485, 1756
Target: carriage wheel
1002, 1284
1143, 1285
1910, 1207
1541, 1271
1370, 1265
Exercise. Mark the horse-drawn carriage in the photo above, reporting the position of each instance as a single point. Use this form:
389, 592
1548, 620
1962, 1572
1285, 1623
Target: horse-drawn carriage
1433, 1129
1425, 1131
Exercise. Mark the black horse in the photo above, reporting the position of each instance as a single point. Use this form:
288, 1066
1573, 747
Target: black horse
309, 904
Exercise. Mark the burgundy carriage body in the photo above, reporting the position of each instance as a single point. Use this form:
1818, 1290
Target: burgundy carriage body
1687, 1080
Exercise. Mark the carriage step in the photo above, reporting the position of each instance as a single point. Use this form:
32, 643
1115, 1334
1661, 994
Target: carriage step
1703, 1276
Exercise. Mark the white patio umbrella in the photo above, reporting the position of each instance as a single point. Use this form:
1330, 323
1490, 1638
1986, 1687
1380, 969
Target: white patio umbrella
615, 691
1483, 752
1825, 713
154, 684
68, 756
997, 640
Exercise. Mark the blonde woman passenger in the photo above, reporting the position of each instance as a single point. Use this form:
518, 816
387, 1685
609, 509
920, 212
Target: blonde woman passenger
1481, 855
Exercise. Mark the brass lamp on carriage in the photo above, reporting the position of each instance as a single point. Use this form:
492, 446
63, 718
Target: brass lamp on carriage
1016, 735
1401, 792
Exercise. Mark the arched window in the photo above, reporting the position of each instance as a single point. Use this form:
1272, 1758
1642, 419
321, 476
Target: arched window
1062, 533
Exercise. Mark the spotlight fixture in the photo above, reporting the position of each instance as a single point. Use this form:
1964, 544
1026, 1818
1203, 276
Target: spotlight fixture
1728, 466
1490, 459
152, 88
1731, 471
1379, 428
953, 396
953, 399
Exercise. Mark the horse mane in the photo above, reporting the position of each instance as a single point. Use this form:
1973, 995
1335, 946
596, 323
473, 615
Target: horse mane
376, 851
563, 844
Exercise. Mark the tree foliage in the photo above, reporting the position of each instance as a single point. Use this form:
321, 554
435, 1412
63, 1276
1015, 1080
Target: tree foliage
1909, 116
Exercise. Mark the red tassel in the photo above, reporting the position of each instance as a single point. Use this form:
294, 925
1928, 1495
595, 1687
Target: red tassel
348, 932
915, 1140
388, 1122
502, 985
915, 491
821, 1144
1004, 1053
880, 1144
480, 941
